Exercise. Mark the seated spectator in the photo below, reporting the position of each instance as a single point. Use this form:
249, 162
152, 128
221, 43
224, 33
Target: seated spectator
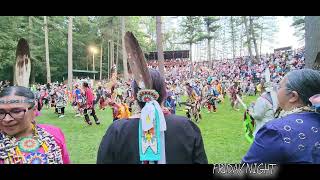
294, 136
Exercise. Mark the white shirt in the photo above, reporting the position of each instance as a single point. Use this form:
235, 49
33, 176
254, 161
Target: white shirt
262, 112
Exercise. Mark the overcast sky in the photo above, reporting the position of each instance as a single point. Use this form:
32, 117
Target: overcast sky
285, 36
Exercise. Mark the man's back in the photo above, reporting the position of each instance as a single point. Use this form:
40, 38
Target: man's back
89, 96
183, 142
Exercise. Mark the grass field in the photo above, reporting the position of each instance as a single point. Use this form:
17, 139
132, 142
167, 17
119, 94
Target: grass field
222, 133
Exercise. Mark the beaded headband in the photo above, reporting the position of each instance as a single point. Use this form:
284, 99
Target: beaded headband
13, 101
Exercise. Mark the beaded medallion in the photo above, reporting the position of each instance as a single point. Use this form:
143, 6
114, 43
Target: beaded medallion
10, 149
36, 158
28, 144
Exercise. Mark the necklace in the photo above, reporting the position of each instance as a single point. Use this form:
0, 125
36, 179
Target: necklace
11, 149
284, 113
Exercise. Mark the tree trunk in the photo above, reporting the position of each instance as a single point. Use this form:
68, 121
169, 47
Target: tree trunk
214, 50
194, 53
312, 39
261, 38
112, 48
93, 67
233, 38
199, 52
190, 51
223, 43
160, 46
241, 41
70, 62
117, 51
191, 68
195, 59
113, 57
244, 18
110, 52
32, 76
88, 62
124, 53
254, 39
47, 49
108, 62
209, 51
14, 81
109, 59
111, 62
209, 43
101, 61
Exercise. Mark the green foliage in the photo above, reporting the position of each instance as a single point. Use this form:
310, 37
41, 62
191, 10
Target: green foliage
87, 31
144, 29
191, 29
266, 24
299, 26
97, 30
11, 30
211, 26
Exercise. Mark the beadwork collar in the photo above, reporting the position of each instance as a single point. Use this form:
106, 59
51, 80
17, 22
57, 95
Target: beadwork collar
8, 146
296, 110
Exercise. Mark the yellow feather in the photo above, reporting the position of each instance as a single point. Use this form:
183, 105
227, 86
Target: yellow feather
148, 120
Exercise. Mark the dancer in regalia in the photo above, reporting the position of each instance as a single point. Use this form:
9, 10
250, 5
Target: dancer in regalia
264, 109
154, 135
89, 106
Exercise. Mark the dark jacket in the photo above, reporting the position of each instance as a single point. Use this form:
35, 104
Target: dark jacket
183, 142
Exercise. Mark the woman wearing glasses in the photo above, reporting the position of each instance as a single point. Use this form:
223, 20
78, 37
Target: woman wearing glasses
294, 137
22, 141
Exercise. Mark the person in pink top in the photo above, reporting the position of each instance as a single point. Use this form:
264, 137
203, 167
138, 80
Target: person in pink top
22, 140
89, 109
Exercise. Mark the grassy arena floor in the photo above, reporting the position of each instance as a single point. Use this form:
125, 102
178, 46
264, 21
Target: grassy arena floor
222, 133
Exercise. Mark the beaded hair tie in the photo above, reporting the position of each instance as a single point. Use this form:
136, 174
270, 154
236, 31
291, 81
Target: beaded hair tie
146, 95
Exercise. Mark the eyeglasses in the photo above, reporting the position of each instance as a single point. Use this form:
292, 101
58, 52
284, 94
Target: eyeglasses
14, 113
277, 87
